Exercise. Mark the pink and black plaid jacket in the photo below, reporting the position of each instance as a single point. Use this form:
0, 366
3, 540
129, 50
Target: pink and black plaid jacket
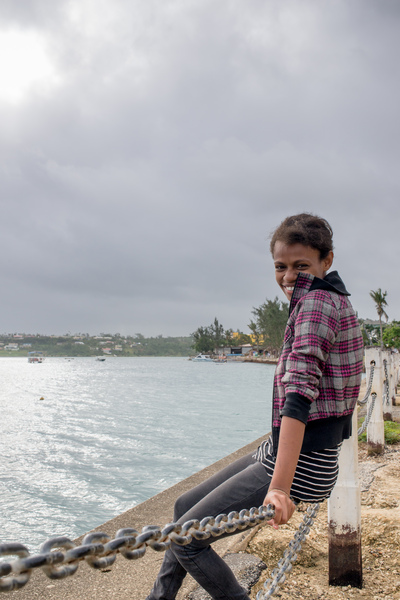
318, 376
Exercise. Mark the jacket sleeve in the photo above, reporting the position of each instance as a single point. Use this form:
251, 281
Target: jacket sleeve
315, 330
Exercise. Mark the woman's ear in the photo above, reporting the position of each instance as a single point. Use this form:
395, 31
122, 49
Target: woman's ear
328, 260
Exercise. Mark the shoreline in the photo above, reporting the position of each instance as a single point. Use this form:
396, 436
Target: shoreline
261, 361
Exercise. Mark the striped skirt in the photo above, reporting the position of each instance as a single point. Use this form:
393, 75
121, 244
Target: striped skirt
316, 472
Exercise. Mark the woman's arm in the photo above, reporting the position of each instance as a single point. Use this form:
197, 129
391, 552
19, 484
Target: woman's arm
290, 442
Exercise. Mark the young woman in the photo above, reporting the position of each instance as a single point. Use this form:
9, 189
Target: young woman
316, 386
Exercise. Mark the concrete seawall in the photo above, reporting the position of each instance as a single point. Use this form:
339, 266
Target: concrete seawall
127, 579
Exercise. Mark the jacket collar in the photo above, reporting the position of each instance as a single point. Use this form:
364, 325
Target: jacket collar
306, 282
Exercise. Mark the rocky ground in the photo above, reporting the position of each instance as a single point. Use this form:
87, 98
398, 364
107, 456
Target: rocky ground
308, 580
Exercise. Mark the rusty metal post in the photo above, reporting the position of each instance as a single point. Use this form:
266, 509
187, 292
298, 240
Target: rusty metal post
344, 518
375, 428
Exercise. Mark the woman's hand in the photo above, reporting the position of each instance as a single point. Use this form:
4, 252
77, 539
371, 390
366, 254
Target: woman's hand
290, 441
284, 507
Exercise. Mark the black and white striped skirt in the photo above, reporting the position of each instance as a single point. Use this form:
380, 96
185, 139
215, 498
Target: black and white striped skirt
316, 472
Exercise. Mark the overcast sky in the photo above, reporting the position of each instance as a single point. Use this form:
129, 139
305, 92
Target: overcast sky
149, 147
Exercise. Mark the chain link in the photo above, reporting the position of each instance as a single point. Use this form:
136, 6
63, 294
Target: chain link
386, 384
60, 557
285, 564
99, 551
369, 387
365, 400
368, 416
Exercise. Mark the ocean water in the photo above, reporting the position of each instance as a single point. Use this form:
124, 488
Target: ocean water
83, 440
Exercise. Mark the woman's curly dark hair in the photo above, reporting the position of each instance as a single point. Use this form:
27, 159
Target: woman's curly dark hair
306, 229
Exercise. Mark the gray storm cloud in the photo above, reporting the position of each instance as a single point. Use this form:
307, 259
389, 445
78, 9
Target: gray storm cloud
141, 179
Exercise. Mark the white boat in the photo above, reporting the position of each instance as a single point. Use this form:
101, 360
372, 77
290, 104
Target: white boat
202, 358
101, 358
35, 357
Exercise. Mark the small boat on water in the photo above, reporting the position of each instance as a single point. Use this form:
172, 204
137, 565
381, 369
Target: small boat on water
202, 358
101, 358
35, 357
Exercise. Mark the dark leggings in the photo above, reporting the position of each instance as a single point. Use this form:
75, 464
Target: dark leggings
243, 484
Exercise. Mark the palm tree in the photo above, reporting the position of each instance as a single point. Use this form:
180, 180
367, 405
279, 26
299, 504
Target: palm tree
379, 298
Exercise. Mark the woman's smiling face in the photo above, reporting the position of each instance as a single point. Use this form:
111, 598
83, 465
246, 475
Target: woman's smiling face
290, 260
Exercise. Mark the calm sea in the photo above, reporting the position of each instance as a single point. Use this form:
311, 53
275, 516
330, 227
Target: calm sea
82, 440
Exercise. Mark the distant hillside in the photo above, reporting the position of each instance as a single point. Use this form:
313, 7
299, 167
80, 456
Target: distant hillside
85, 345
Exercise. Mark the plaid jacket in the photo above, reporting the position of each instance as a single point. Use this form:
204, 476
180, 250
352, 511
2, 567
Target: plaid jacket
318, 375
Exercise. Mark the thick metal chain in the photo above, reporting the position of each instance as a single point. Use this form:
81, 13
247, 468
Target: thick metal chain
368, 416
386, 383
365, 400
369, 387
60, 557
285, 565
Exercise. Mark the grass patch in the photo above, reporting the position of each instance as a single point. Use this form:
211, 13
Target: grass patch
392, 432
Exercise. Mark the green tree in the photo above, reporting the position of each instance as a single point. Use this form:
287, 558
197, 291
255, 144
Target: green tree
239, 339
379, 298
218, 334
256, 334
270, 321
207, 339
370, 334
391, 335
203, 340
229, 339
